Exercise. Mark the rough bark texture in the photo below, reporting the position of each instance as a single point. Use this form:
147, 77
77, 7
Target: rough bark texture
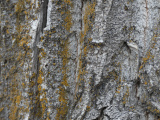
80, 59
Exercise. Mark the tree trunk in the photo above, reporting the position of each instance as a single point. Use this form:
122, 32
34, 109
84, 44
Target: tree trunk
79, 60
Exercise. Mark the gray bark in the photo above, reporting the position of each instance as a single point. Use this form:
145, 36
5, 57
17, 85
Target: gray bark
79, 60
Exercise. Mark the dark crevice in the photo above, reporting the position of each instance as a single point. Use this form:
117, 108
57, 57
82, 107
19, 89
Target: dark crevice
125, 45
35, 113
99, 88
5, 61
96, 90
45, 8
137, 84
100, 117
147, 115
78, 97
82, 15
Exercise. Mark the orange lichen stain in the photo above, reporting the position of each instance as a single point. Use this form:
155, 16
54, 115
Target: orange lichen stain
64, 82
44, 102
118, 92
118, 89
12, 115
125, 96
18, 99
41, 92
88, 13
7, 31
1, 109
149, 56
42, 37
7, 76
19, 56
23, 84
12, 69
23, 41
21, 38
141, 67
48, 116
40, 79
145, 83
67, 20
33, 75
21, 28
85, 50
25, 12
154, 41
63, 109
67, 15
19, 6
67, 2
43, 54
88, 108
15, 105
145, 59
157, 111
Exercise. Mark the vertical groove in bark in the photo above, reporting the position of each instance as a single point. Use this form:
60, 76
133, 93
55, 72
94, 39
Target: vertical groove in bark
35, 111
79, 47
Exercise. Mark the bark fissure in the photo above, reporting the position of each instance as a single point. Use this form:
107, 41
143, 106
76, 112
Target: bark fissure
79, 59
79, 47
35, 104
100, 117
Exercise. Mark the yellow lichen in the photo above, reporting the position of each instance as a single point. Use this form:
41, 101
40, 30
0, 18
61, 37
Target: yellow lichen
145, 83
125, 96
88, 23
43, 54
7, 31
67, 20
89, 12
63, 109
88, 108
40, 79
1, 109
18, 99
16, 73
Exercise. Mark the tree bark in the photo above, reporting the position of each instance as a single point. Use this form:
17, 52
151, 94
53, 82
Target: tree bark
79, 60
